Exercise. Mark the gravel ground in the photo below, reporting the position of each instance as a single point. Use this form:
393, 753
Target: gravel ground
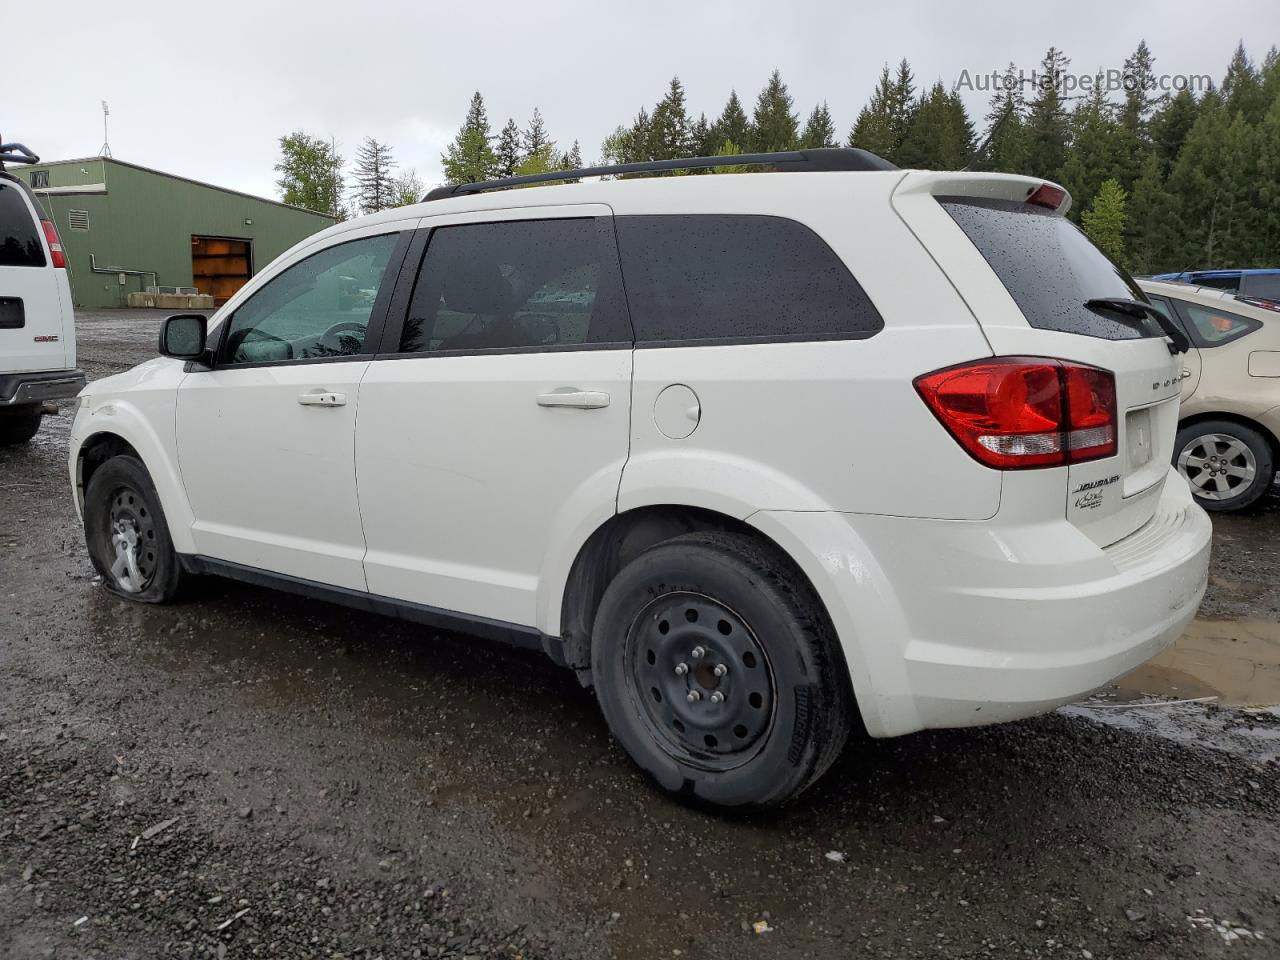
250, 774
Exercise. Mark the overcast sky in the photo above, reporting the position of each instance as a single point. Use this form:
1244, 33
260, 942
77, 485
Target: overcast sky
206, 90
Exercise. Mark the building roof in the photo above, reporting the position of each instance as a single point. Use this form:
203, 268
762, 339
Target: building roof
174, 176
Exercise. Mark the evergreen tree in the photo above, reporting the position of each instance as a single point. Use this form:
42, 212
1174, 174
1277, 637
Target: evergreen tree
541, 160
1047, 123
1267, 227
1006, 148
310, 174
669, 136
1170, 126
732, 125
773, 124
941, 136
507, 154
701, 141
571, 159
470, 158
1096, 153
1140, 101
1104, 221
882, 124
375, 183
1271, 76
820, 129
1153, 227
1197, 184
1242, 88
729, 149
535, 136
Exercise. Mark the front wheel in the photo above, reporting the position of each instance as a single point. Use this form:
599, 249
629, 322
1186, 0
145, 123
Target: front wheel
718, 672
18, 425
1228, 465
127, 535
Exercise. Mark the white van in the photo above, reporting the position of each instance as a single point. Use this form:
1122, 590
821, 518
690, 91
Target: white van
37, 324
764, 458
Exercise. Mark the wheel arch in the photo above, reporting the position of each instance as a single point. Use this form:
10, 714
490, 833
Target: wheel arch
614, 543
117, 439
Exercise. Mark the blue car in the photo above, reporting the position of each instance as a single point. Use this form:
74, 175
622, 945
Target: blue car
1261, 283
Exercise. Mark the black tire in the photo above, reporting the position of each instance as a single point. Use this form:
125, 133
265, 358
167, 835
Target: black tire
1239, 449
18, 425
787, 708
121, 491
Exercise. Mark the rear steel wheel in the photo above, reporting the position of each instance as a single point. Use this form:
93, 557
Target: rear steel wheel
703, 680
718, 671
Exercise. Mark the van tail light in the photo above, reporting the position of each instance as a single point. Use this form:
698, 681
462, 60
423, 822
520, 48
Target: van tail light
1015, 413
55, 244
1047, 195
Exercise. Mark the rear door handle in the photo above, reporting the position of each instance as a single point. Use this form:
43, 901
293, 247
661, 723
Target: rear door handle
567, 397
322, 398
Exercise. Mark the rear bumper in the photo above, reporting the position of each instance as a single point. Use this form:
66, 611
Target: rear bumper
39, 386
948, 624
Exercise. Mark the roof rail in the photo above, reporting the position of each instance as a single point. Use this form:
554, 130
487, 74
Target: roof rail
824, 158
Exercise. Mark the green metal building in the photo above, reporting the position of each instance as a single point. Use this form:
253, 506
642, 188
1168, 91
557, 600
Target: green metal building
126, 228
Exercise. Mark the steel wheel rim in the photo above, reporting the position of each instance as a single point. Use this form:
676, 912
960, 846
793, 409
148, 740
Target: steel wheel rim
132, 534
683, 644
1218, 466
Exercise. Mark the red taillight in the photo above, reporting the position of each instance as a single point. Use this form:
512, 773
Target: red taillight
1047, 195
55, 244
1013, 413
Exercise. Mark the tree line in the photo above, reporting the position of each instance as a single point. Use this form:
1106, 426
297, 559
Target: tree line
1160, 181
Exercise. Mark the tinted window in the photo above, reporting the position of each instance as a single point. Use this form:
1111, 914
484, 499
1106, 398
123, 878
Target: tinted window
1049, 267
319, 307
20, 244
1230, 282
713, 277
525, 283
1209, 326
1266, 285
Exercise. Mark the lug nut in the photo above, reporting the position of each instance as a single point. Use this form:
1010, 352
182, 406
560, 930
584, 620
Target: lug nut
681, 669
717, 697
694, 696
720, 670
697, 653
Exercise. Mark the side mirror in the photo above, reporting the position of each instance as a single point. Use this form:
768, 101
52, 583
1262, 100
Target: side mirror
183, 336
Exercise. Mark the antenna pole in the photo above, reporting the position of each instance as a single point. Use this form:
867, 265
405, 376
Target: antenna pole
106, 140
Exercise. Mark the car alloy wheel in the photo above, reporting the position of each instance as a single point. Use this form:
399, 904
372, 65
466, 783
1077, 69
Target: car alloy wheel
1217, 466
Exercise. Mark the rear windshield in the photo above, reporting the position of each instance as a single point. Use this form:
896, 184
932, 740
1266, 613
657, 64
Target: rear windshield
1049, 267
20, 244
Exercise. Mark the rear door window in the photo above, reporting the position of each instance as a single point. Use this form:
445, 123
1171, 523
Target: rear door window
703, 277
20, 244
1049, 267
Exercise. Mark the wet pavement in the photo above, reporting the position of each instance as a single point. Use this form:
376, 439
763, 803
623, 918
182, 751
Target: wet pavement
249, 774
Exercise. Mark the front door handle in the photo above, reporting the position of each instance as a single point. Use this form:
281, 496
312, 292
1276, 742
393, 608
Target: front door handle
322, 398
568, 397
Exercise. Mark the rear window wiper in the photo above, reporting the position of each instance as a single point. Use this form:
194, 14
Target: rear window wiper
1140, 311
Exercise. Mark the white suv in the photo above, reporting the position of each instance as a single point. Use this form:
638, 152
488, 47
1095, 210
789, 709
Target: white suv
37, 324
764, 458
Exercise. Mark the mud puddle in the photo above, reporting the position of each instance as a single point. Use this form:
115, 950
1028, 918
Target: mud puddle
1237, 661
